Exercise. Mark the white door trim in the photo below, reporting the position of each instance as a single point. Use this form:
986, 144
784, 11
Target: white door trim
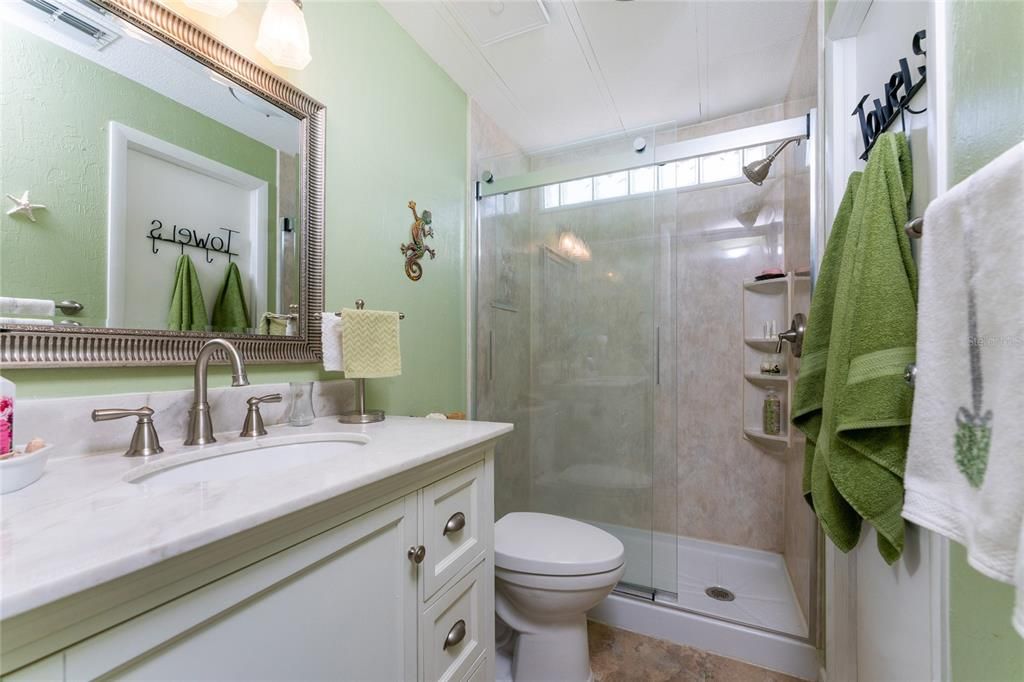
122, 138
840, 141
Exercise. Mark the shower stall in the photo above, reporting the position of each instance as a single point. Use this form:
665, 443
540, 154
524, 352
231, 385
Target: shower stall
609, 328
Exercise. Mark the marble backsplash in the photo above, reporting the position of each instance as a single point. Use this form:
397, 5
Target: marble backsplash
67, 422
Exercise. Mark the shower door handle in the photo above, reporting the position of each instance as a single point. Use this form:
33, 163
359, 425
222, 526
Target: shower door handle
657, 355
490, 355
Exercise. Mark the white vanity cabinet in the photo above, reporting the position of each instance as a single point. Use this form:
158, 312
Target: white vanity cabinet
348, 603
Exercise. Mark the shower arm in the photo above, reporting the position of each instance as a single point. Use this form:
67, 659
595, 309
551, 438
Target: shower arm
778, 150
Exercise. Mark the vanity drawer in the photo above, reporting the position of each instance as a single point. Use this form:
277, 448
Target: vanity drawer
454, 628
456, 526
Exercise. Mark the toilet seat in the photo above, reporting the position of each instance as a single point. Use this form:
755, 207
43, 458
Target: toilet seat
546, 545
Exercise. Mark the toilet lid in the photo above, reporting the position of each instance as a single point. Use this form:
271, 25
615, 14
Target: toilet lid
543, 544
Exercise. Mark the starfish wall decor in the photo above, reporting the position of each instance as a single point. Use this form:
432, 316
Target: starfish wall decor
23, 205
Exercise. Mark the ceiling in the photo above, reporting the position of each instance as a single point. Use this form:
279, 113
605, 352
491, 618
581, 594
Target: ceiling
550, 72
159, 67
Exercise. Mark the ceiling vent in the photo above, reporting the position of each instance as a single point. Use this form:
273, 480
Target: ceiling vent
493, 21
74, 20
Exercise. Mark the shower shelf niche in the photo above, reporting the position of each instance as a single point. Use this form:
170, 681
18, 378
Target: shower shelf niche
771, 299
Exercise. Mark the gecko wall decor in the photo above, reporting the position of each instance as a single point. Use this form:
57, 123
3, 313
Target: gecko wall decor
416, 249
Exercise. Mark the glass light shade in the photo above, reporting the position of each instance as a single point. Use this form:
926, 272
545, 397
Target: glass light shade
283, 37
218, 8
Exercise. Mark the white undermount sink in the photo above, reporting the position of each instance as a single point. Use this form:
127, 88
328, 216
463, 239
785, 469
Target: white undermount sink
238, 460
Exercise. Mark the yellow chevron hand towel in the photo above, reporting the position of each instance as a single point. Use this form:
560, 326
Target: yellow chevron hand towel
369, 344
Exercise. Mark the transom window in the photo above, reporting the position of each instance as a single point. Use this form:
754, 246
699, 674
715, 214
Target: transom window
701, 170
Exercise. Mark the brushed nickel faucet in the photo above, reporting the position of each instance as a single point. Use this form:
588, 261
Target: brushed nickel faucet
200, 423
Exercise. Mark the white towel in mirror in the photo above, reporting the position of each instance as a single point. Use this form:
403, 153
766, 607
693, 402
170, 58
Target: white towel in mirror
36, 307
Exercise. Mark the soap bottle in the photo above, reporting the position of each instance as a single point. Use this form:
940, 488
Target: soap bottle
6, 416
772, 413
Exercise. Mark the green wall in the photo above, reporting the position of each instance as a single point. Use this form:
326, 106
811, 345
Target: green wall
396, 130
54, 127
986, 117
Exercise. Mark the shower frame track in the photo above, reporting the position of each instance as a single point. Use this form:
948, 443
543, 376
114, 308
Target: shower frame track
766, 133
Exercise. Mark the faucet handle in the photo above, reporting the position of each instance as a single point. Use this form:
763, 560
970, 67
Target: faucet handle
253, 425
145, 441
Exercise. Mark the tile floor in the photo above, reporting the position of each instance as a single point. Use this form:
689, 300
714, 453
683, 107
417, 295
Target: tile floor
621, 656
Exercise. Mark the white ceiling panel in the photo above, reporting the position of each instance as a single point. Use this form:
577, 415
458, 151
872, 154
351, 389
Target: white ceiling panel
568, 70
494, 20
653, 73
749, 80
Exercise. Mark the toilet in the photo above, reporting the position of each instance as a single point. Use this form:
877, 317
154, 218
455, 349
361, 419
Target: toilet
549, 571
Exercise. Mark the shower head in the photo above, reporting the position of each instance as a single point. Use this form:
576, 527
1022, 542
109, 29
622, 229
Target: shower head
757, 171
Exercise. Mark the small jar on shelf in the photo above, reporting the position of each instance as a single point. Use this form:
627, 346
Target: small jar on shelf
772, 414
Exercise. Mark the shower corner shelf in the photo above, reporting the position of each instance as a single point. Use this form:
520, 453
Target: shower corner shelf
768, 300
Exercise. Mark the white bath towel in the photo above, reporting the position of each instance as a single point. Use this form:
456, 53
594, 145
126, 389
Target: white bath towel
330, 337
30, 307
26, 320
965, 465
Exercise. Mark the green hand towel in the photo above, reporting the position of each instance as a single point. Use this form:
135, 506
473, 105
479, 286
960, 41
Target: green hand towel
273, 325
188, 312
860, 453
230, 313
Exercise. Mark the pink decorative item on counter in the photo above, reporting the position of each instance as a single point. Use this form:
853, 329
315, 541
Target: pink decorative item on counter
6, 416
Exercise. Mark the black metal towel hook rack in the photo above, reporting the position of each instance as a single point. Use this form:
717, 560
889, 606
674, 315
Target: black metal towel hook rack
875, 122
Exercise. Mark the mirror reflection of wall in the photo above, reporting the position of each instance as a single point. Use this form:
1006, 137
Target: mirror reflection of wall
142, 156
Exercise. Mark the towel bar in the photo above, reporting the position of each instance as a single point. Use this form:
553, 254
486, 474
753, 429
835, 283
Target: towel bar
360, 304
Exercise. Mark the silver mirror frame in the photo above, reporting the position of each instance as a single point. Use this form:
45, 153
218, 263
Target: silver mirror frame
65, 346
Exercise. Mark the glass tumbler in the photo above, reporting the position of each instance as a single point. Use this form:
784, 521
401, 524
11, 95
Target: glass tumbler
301, 411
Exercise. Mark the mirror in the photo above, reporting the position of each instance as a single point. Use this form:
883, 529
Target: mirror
150, 192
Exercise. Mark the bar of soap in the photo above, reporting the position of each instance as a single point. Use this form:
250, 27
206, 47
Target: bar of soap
34, 444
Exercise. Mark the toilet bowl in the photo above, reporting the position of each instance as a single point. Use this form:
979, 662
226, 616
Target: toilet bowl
549, 571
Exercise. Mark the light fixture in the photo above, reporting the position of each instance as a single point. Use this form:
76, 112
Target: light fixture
283, 37
573, 247
217, 8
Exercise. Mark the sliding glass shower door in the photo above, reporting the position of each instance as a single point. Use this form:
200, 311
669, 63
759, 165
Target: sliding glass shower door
573, 337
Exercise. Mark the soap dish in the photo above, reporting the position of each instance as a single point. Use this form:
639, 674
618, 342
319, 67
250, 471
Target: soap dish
22, 470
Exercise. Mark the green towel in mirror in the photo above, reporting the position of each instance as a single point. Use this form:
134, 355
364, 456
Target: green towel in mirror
230, 313
188, 311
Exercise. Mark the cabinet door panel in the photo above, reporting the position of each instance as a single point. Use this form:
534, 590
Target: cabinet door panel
339, 606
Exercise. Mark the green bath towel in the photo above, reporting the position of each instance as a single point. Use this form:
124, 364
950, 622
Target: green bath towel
859, 455
188, 312
809, 391
230, 313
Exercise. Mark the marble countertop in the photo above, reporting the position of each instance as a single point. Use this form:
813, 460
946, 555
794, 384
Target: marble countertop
82, 524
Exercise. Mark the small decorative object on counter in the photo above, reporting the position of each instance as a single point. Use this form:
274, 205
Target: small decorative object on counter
772, 414
300, 413
23, 465
6, 417
416, 249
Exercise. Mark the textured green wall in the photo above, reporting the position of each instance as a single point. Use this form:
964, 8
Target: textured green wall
986, 117
396, 130
54, 127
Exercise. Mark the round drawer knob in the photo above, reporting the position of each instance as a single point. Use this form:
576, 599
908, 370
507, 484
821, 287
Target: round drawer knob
417, 553
455, 635
456, 523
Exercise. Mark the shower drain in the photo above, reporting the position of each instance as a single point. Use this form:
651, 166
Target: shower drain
720, 593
